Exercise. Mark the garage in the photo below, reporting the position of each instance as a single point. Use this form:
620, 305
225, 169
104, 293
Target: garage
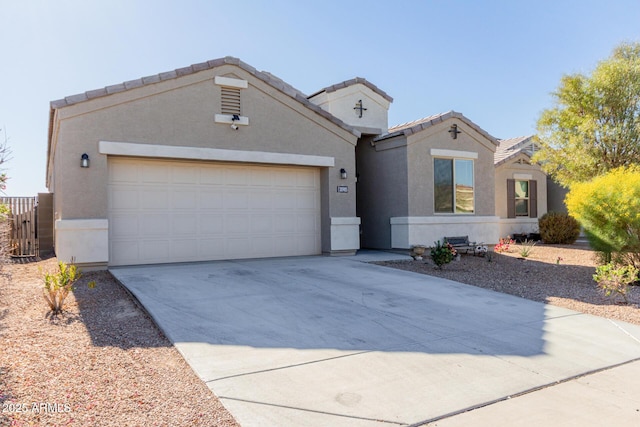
163, 211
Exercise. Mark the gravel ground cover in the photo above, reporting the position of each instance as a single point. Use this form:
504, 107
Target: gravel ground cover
556, 274
102, 362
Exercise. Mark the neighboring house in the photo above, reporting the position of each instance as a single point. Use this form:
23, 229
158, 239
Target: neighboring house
221, 161
212, 161
521, 187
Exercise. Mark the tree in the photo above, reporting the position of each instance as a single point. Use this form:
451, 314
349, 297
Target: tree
5, 151
595, 125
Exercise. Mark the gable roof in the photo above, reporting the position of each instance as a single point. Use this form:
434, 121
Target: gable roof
419, 125
264, 76
352, 82
510, 148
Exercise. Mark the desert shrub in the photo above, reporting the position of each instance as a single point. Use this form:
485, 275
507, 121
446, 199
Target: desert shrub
442, 254
608, 207
526, 247
615, 280
57, 285
558, 228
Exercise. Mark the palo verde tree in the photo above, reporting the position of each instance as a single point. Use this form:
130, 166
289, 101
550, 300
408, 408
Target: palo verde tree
595, 124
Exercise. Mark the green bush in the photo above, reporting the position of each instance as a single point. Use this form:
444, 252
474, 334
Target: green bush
442, 254
608, 207
57, 285
558, 228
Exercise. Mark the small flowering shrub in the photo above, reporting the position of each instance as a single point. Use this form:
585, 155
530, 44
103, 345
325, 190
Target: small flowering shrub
503, 245
615, 280
442, 254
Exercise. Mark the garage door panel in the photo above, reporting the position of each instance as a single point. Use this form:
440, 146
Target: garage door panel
236, 199
184, 175
262, 224
123, 251
239, 247
154, 174
211, 248
175, 211
236, 176
237, 224
283, 222
123, 198
211, 198
124, 226
183, 224
283, 200
184, 198
153, 198
184, 250
261, 200
211, 224
123, 172
260, 178
306, 179
155, 250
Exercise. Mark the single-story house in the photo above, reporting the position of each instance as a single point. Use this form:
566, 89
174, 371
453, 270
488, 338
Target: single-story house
521, 187
221, 161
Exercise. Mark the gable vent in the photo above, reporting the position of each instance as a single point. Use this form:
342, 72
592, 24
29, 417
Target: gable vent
230, 100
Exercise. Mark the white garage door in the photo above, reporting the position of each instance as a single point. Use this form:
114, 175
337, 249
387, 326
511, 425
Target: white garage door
172, 211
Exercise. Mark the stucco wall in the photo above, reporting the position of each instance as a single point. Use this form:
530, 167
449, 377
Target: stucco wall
341, 104
421, 191
382, 192
506, 171
180, 112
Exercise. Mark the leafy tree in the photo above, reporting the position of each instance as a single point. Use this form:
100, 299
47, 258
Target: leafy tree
608, 207
595, 125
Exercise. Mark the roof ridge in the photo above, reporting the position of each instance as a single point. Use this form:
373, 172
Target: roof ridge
351, 82
410, 128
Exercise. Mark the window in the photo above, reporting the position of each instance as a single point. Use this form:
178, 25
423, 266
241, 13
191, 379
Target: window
453, 186
522, 198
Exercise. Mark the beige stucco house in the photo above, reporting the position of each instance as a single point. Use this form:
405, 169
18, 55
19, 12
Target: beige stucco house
212, 161
221, 161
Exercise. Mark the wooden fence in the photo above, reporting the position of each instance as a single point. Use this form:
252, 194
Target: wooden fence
23, 238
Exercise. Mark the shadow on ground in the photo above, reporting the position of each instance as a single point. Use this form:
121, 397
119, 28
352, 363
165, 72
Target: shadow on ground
112, 316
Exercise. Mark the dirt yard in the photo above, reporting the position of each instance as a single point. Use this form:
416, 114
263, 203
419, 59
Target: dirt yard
103, 362
561, 275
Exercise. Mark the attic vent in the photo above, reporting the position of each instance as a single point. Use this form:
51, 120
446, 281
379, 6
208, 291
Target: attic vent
230, 100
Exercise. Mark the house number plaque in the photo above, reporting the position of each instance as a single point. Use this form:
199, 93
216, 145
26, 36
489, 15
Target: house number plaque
343, 189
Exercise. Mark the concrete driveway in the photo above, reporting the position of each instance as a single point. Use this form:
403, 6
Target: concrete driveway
319, 341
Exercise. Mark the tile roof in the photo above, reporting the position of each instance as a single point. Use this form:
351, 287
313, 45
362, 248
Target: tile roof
416, 126
195, 68
355, 81
509, 148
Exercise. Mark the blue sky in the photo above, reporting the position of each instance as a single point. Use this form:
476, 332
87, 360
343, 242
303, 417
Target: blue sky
494, 61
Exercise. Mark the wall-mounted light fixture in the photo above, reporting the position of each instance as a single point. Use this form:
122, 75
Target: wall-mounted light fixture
454, 131
84, 160
343, 173
235, 117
